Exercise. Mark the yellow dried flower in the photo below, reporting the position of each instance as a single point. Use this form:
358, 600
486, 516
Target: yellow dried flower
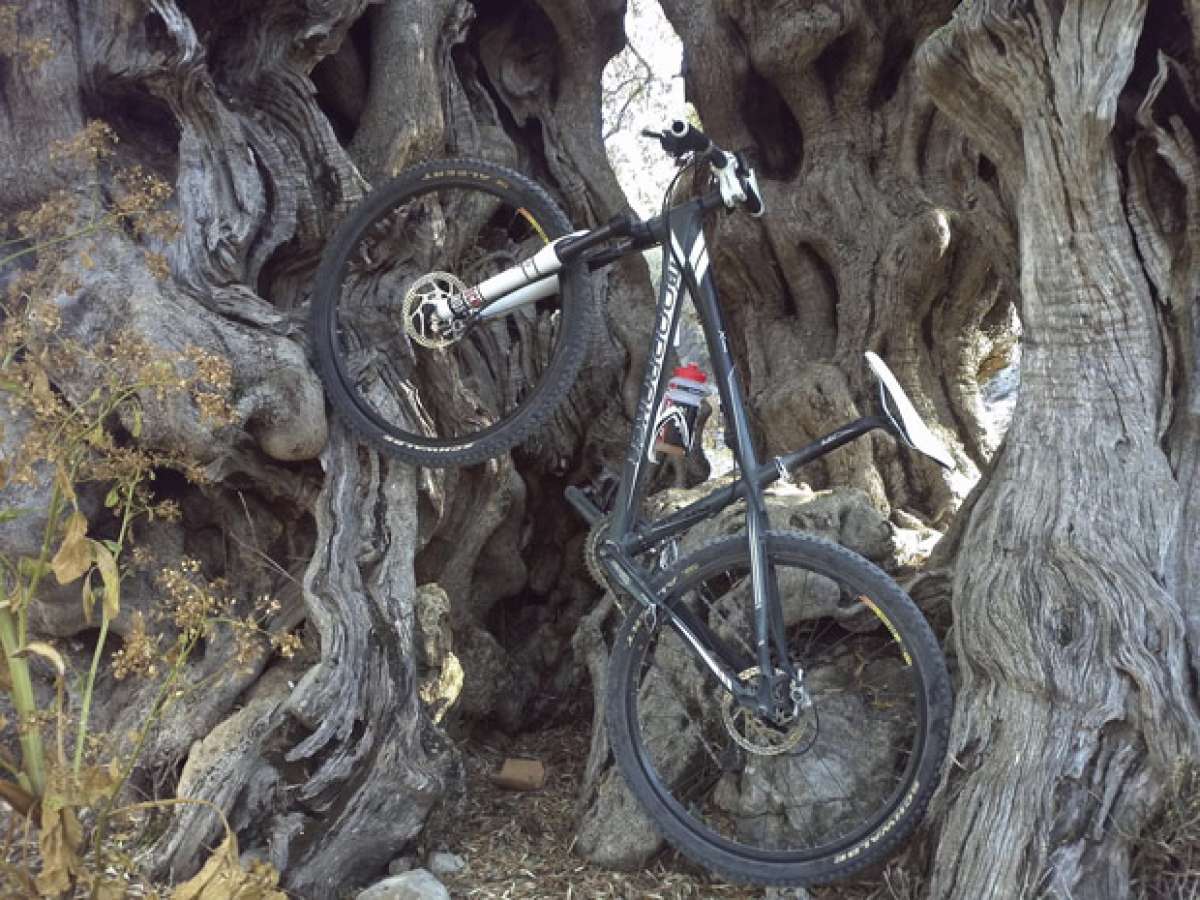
92, 143
167, 510
158, 265
287, 644
139, 655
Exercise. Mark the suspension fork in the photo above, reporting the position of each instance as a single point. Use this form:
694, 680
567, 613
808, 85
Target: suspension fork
768, 613
769, 634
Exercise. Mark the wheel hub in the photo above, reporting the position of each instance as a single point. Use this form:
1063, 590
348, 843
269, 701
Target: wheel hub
429, 310
761, 737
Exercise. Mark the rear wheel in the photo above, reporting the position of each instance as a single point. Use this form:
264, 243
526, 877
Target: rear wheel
440, 391
837, 787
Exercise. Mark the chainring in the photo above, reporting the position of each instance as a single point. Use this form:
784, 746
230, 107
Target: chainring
591, 557
424, 302
751, 733
591, 561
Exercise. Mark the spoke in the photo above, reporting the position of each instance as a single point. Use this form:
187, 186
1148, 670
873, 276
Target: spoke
485, 378
847, 766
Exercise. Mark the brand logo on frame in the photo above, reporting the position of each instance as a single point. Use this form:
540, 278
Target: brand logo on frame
661, 344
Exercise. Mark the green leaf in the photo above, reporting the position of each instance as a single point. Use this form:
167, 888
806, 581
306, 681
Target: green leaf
113, 497
10, 513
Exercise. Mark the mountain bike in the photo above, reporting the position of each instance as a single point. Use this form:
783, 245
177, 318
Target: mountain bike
776, 702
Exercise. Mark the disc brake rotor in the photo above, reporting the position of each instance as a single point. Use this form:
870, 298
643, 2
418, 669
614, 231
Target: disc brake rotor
753, 733
428, 304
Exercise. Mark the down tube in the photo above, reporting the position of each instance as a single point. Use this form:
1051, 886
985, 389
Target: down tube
666, 320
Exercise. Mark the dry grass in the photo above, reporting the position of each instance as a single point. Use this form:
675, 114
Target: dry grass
518, 845
1166, 858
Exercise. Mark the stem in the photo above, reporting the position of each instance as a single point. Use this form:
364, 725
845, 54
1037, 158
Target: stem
113, 404
32, 753
50, 242
60, 690
156, 710
93, 226
86, 705
43, 558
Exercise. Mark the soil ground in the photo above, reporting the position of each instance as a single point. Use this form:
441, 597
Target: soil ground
518, 844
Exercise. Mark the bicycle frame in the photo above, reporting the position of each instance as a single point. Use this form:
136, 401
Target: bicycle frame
685, 272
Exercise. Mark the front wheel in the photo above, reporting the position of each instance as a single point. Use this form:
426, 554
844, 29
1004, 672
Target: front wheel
434, 391
835, 789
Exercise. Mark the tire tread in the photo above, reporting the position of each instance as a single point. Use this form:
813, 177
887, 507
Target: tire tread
922, 646
576, 336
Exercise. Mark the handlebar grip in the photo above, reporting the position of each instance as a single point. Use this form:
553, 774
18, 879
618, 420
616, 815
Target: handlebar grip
689, 138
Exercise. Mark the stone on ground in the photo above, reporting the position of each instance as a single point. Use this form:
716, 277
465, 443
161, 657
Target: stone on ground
419, 884
441, 863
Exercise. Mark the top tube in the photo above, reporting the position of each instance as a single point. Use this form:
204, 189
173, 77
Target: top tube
644, 234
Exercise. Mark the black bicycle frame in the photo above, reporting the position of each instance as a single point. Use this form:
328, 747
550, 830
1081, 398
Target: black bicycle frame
686, 271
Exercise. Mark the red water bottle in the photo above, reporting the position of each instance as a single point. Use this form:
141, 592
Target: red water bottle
676, 423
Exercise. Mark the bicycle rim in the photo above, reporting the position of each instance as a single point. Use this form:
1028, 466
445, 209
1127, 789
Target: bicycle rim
756, 790
441, 234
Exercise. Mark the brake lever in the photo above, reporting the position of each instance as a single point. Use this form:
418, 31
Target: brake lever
755, 204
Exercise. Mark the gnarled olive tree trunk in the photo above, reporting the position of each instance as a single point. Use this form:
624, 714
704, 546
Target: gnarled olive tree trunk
887, 231
890, 231
884, 232
1075, 705
327, 765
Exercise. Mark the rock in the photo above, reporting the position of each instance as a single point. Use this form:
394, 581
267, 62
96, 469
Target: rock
614, 832
521, 775
419, 884
777, 893
400, 864
442, 863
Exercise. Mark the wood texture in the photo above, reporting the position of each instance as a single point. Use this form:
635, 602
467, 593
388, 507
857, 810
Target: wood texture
1074, 708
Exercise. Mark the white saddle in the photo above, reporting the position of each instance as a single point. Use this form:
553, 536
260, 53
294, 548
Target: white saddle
907, 421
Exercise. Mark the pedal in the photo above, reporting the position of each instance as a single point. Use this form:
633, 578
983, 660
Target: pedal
594, 501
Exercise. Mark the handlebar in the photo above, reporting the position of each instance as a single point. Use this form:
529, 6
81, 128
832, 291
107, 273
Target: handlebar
683, 138
738, 182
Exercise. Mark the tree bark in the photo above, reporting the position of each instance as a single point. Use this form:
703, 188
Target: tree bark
882, 230
1074, 708
329, 765
888, 230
